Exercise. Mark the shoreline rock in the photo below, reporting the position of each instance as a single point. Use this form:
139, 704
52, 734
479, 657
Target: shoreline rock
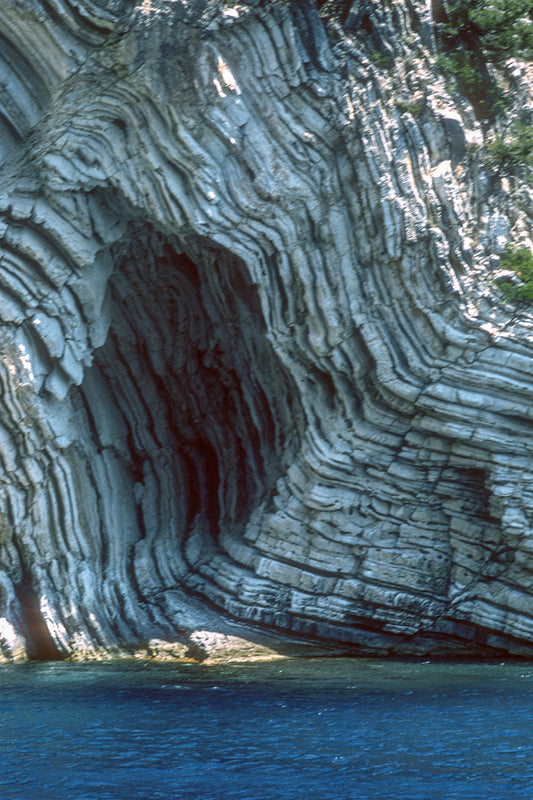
255, 364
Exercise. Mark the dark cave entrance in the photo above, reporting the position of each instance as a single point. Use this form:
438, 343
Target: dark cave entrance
207, 407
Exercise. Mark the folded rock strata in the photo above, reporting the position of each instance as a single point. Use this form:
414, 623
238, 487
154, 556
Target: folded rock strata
256, 374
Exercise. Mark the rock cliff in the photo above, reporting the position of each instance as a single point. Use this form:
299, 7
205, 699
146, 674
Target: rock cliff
257, 373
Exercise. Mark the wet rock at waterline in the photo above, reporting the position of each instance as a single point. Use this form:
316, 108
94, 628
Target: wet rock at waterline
256, 377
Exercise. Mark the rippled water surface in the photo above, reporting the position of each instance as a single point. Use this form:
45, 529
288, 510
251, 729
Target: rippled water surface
325, 728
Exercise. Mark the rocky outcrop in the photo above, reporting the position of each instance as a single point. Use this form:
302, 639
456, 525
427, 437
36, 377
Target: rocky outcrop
256, 374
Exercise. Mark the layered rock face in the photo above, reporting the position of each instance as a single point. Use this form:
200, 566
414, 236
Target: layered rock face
256, 374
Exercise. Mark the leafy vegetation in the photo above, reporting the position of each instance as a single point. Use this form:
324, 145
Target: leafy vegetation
414, 107
475, 33
470, 72
499, 28
520, 261
512, 150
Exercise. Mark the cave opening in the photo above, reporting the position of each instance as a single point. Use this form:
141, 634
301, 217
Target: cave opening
206, 413
39, 642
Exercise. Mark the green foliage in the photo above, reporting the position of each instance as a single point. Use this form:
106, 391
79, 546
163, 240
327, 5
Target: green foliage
472, 79
499, 28
513, 150
520, 260
414, 107
382, 61
476, 33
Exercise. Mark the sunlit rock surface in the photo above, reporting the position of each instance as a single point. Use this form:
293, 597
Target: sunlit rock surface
256, 376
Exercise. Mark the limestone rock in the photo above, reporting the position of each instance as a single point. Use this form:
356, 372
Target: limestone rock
255, 368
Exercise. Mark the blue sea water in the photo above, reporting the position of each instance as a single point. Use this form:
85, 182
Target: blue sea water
294, 730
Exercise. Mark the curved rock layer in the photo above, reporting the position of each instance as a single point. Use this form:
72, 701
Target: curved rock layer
255, 371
